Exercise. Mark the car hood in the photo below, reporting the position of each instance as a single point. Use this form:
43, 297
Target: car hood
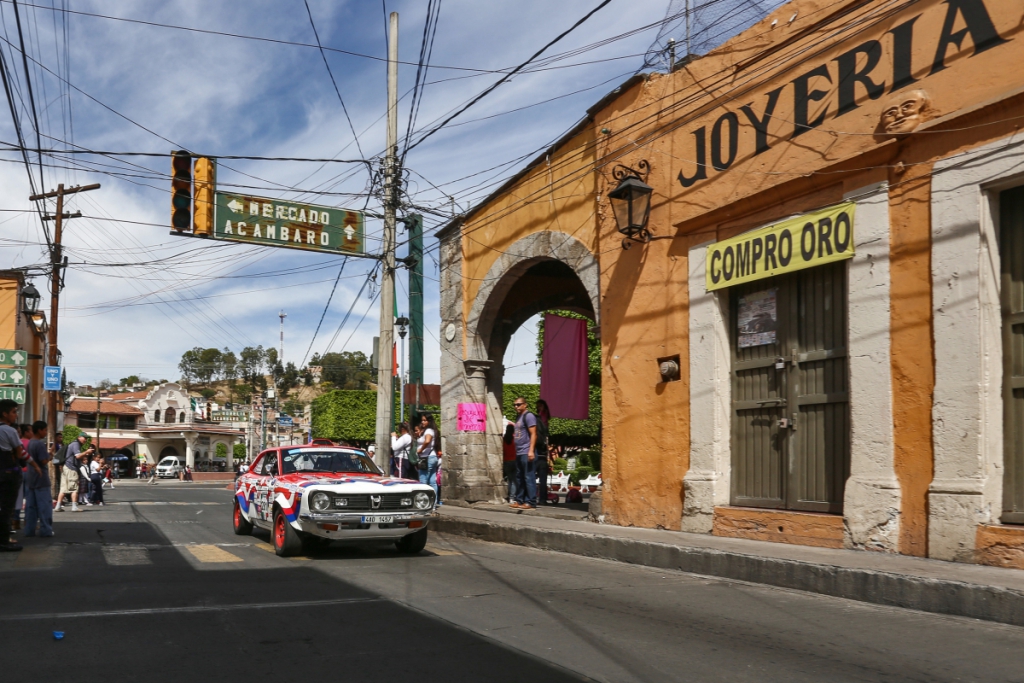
344, 480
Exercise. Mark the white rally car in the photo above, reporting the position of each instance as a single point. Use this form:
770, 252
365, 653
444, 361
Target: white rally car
309, 494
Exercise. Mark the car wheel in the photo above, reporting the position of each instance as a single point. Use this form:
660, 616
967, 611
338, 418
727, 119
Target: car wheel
243, 527
286, 539
413, 543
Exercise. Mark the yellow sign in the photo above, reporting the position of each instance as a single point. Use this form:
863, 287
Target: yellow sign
803, 242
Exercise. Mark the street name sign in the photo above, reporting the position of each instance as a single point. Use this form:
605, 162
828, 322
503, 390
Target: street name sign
13, 357
13, 376
51, 378
16, 394
284, 421
294, 225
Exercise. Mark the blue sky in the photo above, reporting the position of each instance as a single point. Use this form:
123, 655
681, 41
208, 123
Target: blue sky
136, 297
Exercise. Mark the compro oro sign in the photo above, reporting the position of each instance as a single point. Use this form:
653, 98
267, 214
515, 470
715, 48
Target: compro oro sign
295, 225
794, 244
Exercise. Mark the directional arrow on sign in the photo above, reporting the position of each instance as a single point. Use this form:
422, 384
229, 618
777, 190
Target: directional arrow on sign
15, 376
18, 357
236, 206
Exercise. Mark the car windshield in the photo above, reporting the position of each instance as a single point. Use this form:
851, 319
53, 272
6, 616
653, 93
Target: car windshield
167, 461
309, 460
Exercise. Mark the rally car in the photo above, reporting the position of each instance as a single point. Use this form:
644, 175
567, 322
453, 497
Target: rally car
305, 495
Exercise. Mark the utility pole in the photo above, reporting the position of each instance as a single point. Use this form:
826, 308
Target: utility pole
282, 315
56, 264
385, 380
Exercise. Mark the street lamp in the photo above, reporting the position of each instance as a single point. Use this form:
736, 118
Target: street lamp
631, 203
30, 299
403, 328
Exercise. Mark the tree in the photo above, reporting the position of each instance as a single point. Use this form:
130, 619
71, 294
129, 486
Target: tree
211, 363
288, 379
229, 363
346, 370
130, 380
189, 366
251, 362
244, 392
293, 407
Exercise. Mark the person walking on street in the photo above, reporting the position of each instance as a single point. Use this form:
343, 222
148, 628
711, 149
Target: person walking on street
543, 416
427, 452
525, 437
96, 478
69, 474
38, 500
508, 458
12, 455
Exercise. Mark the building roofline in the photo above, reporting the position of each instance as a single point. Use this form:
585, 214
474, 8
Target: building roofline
461, 219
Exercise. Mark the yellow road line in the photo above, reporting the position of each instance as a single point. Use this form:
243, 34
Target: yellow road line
264, 546
211, 553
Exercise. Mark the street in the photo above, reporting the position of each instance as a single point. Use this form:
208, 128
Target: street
155, 587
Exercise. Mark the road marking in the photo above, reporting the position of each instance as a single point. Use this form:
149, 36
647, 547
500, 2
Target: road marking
40, 557
195, 608
441, 551
211, 554
119, 555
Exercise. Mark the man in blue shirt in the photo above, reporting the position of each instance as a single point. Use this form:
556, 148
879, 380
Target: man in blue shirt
11, 458
525, 437
38, 502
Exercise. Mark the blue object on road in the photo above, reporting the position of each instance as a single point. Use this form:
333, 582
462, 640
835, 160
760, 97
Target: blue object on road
58, 635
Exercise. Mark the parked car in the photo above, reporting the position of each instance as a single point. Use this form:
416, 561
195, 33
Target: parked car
321, 442
305, 495
168, 467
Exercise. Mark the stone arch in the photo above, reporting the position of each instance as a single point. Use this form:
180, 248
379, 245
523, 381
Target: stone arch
539, 272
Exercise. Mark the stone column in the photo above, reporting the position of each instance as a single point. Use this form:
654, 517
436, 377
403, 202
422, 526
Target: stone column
229, 461
190, 450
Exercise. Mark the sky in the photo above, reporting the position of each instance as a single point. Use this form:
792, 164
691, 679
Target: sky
137, 297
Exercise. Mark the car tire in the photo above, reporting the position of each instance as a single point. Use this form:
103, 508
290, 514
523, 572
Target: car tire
286, 539
412, 543
243, 527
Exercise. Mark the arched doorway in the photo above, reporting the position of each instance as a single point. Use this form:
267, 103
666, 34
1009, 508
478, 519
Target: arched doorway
543, 271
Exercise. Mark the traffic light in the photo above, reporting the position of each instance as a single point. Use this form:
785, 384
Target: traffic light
181, 190
206, 182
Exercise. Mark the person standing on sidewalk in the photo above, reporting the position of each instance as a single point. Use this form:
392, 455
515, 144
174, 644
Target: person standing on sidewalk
69, 474
11, 456
525, 437
543, 415
508, 458
400, 452
38, 500
427, 452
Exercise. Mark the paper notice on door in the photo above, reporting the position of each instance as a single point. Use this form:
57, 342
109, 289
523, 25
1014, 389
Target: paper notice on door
757, 319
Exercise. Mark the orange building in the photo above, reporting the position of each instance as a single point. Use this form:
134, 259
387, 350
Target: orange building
24, 330
820, 338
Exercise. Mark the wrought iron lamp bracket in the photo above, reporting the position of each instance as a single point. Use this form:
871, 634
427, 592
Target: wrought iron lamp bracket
620, 171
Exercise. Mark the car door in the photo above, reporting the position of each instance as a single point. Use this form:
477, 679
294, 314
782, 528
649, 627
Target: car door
264, 486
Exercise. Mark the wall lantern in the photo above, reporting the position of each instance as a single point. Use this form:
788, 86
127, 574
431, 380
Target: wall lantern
30, 299
631, 202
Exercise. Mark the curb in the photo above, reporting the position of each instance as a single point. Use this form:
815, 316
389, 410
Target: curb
989, 603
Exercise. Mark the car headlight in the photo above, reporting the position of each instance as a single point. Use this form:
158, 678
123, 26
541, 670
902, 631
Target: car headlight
320, 501
422, 500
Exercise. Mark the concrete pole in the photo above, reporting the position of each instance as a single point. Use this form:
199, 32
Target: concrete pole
385, 380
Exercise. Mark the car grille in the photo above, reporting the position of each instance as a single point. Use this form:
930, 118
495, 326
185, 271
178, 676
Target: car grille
361, 502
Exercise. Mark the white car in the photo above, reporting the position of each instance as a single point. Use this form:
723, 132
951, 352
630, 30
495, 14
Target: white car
304, 494
168, 467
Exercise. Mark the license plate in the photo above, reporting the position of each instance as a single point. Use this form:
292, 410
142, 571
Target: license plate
378, 519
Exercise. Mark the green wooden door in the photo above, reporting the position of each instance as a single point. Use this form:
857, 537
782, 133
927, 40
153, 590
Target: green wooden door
791, 427
1011, 252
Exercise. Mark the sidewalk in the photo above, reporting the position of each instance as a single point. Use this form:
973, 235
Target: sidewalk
981, 592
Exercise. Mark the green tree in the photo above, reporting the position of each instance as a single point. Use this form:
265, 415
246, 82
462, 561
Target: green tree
239, 451
189, 366
211, 364
244, 392
251, 363
130, 380
563, 432
346, 370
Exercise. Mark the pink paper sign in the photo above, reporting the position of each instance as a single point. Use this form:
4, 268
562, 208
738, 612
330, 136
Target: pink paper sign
472, 417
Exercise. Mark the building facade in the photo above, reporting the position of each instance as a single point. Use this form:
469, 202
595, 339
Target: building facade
24, 331
835, 268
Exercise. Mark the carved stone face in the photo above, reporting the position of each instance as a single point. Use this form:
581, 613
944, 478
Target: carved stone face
904, 113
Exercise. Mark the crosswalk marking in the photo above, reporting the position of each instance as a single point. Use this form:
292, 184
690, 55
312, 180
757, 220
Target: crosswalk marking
441, 551
126, 555
211, 554
264, 546
40, 557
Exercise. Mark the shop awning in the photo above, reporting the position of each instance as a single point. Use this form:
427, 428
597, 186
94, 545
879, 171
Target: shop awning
111, 444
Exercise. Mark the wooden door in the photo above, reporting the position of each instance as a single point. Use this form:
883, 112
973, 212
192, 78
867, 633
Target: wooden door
1011, 259
791, 428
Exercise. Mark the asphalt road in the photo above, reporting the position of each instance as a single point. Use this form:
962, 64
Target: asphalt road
155, 587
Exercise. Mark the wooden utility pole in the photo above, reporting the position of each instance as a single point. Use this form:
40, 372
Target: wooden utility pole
56, 264
385, 348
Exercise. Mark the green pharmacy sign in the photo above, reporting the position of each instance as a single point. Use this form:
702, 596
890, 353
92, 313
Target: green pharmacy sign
294, 225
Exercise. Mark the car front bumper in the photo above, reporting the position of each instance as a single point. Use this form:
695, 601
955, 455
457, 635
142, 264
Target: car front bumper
360, 525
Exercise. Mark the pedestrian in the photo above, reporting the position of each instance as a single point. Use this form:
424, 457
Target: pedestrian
69, 474
12, 455
525, 437
400, 446
152, 476
96, 479
508, 458
426, 451
543, 415
38, 499
188, 473
25, 433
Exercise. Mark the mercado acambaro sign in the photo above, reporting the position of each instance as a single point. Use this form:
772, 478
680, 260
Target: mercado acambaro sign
295, 225
794, 244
